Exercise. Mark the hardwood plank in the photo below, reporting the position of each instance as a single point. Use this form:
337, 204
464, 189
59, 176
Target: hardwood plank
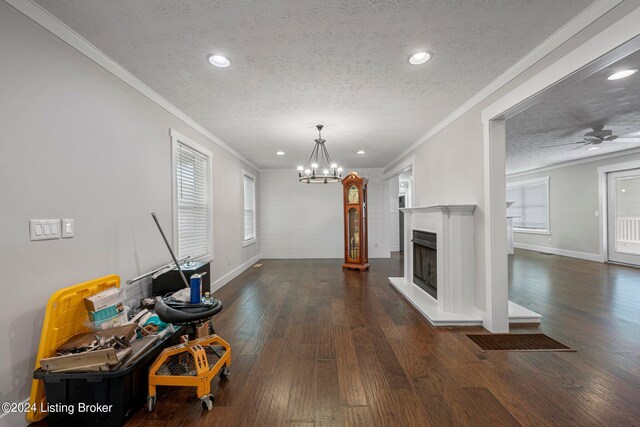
315, 345
349, 378
302, 393
489, 410
328, 407
357, 416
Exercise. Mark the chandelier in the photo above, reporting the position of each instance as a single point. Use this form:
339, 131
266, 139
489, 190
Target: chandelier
319, 169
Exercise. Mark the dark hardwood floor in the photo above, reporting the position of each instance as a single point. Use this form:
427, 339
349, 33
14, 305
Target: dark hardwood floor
313, 346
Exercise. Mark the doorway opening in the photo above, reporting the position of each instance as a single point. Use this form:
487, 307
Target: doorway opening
400, 189
540, 228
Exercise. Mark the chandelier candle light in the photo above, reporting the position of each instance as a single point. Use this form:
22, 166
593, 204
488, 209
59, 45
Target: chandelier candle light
320, 169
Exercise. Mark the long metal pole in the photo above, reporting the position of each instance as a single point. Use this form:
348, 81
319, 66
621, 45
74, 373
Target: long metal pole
153, 272
184, 279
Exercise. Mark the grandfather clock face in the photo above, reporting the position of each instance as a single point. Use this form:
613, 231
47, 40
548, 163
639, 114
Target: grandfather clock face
353, 195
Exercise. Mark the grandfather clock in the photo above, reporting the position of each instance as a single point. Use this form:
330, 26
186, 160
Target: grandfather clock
356, 253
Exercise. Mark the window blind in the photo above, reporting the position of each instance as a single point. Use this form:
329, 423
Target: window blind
249, 207
194, 208
531, 207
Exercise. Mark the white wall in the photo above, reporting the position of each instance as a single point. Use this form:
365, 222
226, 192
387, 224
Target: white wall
573, 203
394, 214
79, 143
306, 220
448, 167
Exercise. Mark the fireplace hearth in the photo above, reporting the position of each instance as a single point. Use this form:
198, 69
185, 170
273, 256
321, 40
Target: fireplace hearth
425, 261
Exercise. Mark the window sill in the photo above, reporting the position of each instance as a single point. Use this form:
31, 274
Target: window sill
249, 242
202, 258
525, 231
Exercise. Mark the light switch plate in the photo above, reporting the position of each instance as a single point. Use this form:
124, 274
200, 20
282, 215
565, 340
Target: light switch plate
44, 229
68, 228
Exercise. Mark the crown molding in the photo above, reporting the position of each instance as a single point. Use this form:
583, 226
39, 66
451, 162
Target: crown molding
59, 29
576, 162
573, 27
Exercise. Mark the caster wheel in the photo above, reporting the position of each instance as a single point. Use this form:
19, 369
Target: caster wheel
207, 402
151, 402
225, 372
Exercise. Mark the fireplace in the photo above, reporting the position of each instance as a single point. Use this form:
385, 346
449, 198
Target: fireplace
425, 261
450, 299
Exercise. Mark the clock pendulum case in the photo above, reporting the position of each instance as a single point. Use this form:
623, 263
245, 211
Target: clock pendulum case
356, 254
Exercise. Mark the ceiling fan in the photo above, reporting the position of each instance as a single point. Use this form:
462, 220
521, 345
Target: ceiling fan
597, 136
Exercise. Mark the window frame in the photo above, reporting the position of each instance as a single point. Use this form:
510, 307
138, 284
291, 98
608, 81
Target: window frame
545, 180
247, 242
176, 139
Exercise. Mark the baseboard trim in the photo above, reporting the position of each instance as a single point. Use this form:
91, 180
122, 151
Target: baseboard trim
234, 273
562, 252
13, 419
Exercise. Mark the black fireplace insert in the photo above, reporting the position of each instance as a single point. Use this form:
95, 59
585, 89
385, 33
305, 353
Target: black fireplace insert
425, 261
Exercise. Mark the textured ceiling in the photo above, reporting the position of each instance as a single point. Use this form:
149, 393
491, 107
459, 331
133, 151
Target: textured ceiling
566, 113
294, 64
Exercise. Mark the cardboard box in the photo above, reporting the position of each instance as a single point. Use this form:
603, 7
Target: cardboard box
112, 322
97, 302
106, 313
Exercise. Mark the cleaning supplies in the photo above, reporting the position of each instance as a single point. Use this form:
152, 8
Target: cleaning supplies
195, 283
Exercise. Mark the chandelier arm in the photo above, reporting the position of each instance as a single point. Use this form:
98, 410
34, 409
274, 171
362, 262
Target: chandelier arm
317, 150
311, 156
326, 153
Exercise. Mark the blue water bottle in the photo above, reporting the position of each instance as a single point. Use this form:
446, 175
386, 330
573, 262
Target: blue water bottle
195, 283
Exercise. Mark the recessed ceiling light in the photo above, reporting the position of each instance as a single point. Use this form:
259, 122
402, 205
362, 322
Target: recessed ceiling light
361, 152
280, 153
219, 61
420, 58
622, 74
593, 148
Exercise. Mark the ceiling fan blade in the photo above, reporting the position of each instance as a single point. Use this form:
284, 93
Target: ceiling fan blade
560, 145
581, 146
627, 139
631, 135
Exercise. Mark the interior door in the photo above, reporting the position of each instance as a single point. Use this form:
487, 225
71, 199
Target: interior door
624, 216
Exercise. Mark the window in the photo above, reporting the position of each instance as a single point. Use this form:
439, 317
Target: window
530, 210
249, 183
193, 222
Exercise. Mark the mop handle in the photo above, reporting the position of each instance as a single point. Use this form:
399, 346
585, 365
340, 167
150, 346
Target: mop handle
184, 279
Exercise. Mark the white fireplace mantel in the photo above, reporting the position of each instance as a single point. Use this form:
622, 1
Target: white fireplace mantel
441, 208
455, 305
453, 226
